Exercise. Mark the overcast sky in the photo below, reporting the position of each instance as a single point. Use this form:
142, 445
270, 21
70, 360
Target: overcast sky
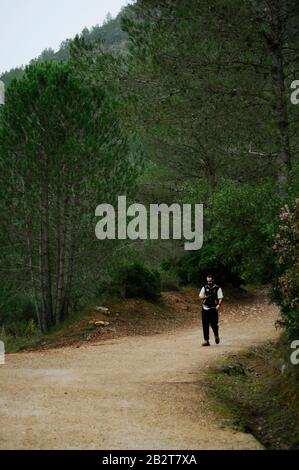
28, 27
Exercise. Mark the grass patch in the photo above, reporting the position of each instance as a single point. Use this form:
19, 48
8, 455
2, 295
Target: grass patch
253, 395
18, 343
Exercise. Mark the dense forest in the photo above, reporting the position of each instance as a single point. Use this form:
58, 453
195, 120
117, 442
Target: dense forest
171, 101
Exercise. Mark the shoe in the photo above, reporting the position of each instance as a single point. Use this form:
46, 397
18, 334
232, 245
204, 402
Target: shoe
217, 339
206, 343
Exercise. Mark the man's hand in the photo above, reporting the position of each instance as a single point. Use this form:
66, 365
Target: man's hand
218, 307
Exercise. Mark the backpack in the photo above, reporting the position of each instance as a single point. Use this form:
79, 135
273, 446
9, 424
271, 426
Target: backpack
212, 291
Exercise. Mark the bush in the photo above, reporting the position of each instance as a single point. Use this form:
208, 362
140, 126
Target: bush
17, 314
19, 308
241, 223
169, 281
193, 268
21, 328
135, 280
286, 285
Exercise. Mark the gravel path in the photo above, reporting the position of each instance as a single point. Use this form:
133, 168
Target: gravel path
129, 393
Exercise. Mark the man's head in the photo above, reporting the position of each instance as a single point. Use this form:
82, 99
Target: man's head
210, 279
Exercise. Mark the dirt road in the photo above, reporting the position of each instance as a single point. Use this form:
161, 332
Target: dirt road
129, 393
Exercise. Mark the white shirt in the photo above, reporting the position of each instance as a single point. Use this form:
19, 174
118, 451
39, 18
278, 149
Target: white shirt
202, 294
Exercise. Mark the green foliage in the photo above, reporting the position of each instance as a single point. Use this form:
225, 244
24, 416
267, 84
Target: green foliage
206, 90
62, 152
203, 96
13, 74
136, 280
169, 281
19, 308
18, 315
193, 268
242, 223
199, 86
238, 230
110, 33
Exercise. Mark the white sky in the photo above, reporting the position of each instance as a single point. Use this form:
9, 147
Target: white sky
27, 27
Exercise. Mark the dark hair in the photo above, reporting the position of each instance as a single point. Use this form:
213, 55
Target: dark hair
210, 275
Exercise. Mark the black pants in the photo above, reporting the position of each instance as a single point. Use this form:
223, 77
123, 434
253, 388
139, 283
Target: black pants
209, 317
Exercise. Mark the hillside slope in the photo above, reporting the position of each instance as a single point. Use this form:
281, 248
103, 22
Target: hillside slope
109, 34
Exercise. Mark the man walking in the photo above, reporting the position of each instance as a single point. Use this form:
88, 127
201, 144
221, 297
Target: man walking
212, 296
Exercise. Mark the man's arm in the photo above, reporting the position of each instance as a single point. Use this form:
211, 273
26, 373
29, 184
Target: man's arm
220, 297
202, 293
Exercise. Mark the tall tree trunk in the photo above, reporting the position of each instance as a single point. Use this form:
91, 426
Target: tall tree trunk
71, 260
30, 257
45, 257
33, 281
69, 277
61, 248
43, 317
275, 44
